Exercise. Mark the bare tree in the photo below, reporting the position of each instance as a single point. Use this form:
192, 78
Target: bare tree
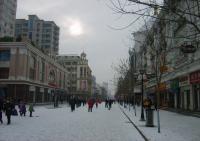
185, 12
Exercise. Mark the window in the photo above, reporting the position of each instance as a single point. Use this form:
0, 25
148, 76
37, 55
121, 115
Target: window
4, 73
30, 35
42, 71
4, 55
81, 71
85, 71
30, 25
32, 68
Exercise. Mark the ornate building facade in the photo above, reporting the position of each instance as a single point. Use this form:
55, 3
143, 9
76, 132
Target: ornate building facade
80, 74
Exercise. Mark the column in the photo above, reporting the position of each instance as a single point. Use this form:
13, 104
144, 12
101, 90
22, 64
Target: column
191, 98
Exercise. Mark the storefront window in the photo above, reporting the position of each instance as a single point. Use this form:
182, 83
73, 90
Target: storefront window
4, 55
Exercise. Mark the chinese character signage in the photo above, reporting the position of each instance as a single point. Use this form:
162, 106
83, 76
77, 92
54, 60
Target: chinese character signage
195, 77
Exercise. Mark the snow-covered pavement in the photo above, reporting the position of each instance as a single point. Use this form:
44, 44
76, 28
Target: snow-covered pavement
49, 124
61, 124
174, 127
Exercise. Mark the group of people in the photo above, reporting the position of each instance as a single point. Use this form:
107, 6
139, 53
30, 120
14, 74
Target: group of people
76, 102
8, 107
108, 103
147, 103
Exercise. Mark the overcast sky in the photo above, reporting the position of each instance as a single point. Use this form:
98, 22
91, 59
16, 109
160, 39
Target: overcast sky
103, 45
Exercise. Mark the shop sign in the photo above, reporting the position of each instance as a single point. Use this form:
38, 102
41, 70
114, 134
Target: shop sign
53, 85
185, 48
41, 90
183, 81
161, 87
174, 85
195, 77
31, 88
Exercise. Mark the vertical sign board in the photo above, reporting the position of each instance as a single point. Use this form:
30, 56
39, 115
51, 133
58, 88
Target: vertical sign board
195, 77
184, 81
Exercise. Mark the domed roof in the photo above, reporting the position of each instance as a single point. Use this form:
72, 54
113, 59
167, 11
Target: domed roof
83, 54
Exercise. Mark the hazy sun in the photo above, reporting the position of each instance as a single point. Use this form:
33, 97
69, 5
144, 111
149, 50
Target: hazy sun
75, 29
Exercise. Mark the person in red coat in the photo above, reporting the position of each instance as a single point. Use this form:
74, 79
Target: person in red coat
90, 104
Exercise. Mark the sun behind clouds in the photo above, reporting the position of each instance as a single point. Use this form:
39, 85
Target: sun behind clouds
75, 29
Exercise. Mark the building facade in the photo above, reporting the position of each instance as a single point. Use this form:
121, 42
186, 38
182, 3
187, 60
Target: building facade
80, 74
27, 74
44, 34
7, 17
179, 85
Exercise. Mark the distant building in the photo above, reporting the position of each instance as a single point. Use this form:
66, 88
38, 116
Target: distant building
94, 87
28, 74
7, 17
105, 86
80, 74
44, 34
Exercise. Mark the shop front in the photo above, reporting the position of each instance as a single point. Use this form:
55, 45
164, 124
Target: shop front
174, 93
185, 92
195, 82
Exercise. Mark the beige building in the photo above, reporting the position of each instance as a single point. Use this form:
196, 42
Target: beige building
28, 74
80, 74
44, 34
7, 17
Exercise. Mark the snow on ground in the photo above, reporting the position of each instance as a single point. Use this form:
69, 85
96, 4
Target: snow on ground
60, 124
174, 127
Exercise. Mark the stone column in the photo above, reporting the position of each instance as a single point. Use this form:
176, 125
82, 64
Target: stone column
175, 100
191, 98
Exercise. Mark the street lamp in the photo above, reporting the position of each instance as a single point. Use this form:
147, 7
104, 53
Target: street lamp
133, 59
142, 92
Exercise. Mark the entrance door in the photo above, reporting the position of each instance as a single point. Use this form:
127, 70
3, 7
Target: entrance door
188, 99
195, 97
178, 100
198, 99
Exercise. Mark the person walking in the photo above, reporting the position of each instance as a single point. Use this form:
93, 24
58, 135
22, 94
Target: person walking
72, 103
1, 109
8, 111
96, 104
22, 109
109, 104
31, 109
90, 104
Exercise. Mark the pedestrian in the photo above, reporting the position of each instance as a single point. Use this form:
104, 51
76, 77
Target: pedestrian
96, 104
31, 109
1, 120
8, 111
72, 103
106, 103
155, 106
1, 109
90, 104
109, 104
22, 109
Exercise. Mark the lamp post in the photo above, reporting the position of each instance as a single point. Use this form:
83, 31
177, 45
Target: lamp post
142, 93
133, 76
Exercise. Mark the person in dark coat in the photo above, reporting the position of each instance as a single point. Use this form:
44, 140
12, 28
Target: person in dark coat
8, 111
1, 109
22, 109
72, 103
